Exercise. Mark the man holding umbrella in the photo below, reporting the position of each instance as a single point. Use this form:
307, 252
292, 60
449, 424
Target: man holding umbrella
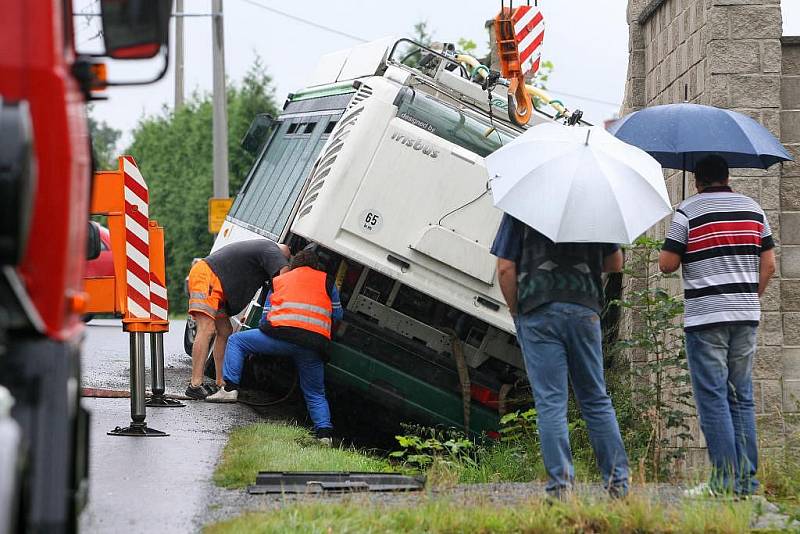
554, 292
724, 242
569, 194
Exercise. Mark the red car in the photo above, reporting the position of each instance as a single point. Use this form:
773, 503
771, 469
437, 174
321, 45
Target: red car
103, 265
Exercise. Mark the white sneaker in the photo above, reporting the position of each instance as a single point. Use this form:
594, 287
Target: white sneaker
224, 396
700, 491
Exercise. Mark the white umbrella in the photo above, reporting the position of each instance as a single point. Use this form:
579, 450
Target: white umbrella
578, 184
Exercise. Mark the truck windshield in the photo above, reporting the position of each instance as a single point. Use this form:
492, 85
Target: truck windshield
267, 197
449, 123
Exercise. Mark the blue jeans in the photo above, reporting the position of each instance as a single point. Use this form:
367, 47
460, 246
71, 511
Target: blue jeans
560, 342
721, 365
310, 368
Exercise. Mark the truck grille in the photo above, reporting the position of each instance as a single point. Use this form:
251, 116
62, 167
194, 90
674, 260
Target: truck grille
364, 92
324, 164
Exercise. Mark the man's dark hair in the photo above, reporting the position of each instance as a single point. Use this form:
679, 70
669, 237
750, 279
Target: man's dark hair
304, 258
711, 169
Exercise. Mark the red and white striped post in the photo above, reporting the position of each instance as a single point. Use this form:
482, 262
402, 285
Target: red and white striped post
137, 241
137, 318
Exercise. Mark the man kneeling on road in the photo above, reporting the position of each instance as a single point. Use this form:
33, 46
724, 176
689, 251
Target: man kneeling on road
221, 286
297, 323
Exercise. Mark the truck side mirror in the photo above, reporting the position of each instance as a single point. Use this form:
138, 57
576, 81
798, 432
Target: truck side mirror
17, 180
257, 133
135, 29
93, 243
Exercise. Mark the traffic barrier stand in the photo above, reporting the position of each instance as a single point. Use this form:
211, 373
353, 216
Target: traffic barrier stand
159, 313
122, 196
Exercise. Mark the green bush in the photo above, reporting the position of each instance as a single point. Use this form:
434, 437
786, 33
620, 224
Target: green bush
653, 382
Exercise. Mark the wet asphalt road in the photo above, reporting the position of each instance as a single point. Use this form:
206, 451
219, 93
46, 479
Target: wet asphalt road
150, 484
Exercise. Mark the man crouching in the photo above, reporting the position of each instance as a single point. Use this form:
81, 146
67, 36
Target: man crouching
297, 322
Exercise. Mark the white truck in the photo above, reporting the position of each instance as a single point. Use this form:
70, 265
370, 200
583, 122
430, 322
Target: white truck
379, 161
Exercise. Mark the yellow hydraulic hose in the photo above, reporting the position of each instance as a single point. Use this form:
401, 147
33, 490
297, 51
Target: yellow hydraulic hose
476, 68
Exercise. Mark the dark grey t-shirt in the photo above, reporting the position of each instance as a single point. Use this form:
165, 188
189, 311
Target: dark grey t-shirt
243, 268
552, 272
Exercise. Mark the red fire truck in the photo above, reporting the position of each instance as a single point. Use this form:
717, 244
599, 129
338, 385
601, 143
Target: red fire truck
45, 186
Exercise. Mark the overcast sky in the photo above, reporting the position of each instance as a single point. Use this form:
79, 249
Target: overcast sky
587, 40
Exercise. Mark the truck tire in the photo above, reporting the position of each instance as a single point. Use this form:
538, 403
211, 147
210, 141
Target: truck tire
43, 376
189, 331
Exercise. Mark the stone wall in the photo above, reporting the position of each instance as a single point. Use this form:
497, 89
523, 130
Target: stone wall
728, 53
790, 237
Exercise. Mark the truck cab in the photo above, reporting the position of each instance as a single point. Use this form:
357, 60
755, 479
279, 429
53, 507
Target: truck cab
380, 163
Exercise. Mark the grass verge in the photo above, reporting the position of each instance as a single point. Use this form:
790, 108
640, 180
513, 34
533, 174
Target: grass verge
780, 480
280, 447
446, 516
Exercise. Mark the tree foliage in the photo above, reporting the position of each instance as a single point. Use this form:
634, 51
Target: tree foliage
104, 143
174, 152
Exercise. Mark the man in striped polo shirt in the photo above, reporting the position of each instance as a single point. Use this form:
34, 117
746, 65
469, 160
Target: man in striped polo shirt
724, 243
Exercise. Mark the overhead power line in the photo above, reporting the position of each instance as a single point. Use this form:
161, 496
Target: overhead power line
306, 21
363, 40
582, 97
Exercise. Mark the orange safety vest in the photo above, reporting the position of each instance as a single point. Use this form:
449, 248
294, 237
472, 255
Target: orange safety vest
300, 300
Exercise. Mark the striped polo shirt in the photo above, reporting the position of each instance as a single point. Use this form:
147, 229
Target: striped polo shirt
720, 236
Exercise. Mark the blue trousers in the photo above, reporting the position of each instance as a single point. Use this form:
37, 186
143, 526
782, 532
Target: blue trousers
561, 342
310, 368
721, 365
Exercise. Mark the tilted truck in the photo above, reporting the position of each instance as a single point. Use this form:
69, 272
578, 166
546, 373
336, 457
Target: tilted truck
45, 186
379, 161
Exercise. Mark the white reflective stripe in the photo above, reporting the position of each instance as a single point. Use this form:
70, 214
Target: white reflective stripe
302, 306
525, 20
196, 295
137, 284
158, 311
137, 201
202, 307
140, 231
156, 289
138, 258
531, 37
301, 319
135, 310
133, 171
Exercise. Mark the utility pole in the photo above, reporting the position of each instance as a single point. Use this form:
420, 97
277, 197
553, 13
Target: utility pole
179, 54
220, 118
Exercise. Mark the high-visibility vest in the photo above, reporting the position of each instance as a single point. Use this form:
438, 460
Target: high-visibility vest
300, 300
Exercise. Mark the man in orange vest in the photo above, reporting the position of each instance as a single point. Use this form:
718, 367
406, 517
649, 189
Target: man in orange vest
297, 322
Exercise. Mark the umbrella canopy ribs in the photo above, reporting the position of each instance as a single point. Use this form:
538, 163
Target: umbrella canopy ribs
578, 184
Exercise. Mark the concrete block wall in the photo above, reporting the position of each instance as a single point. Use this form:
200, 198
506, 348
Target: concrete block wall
729, 53
790, 238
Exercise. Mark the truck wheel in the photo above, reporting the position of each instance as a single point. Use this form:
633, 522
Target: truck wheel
43, 377
210, 370
189, 331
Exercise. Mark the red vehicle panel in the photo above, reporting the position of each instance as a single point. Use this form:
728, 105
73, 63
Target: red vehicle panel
35, 66
103, 265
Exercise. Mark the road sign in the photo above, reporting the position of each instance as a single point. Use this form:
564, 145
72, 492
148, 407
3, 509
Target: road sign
217, 210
